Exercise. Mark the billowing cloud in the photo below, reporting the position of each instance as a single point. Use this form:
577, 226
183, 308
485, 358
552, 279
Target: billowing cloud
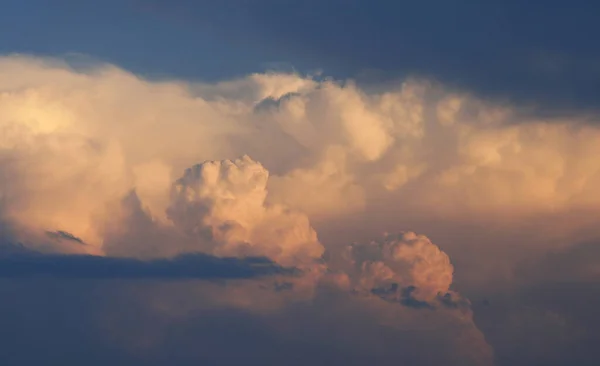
222, 204
406, 260
102, 162
76, 142
338, 194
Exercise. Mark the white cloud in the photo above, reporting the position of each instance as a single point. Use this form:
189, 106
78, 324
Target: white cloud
76, 142
222, 203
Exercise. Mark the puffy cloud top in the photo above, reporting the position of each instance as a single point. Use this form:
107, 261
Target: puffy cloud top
406, 260
222, 203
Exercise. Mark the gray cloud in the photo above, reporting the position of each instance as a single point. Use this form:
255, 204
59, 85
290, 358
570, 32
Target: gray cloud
49, 320
18, 262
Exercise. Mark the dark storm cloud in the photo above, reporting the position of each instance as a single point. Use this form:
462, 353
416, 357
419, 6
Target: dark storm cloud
543, 52
530, 52
55, 321
18, 262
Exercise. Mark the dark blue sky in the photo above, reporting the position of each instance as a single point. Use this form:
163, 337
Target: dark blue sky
121, 32
528, 51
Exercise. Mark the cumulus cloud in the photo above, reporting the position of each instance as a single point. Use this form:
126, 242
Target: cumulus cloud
75, 142
152, 323
222, 203
355, 161
338, 194
100, 161
407, 260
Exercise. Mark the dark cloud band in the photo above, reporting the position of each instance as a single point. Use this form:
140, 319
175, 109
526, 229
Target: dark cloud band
189, 266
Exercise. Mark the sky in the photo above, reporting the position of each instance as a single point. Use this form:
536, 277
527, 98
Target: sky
281, 182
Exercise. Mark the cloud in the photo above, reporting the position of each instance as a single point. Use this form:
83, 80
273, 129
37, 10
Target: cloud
15, 262
223, 204
338, 193
101, 162
408, 261
355, 161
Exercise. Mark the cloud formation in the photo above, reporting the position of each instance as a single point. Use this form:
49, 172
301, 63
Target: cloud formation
99, 161
222, 203
332, 149
407, 260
